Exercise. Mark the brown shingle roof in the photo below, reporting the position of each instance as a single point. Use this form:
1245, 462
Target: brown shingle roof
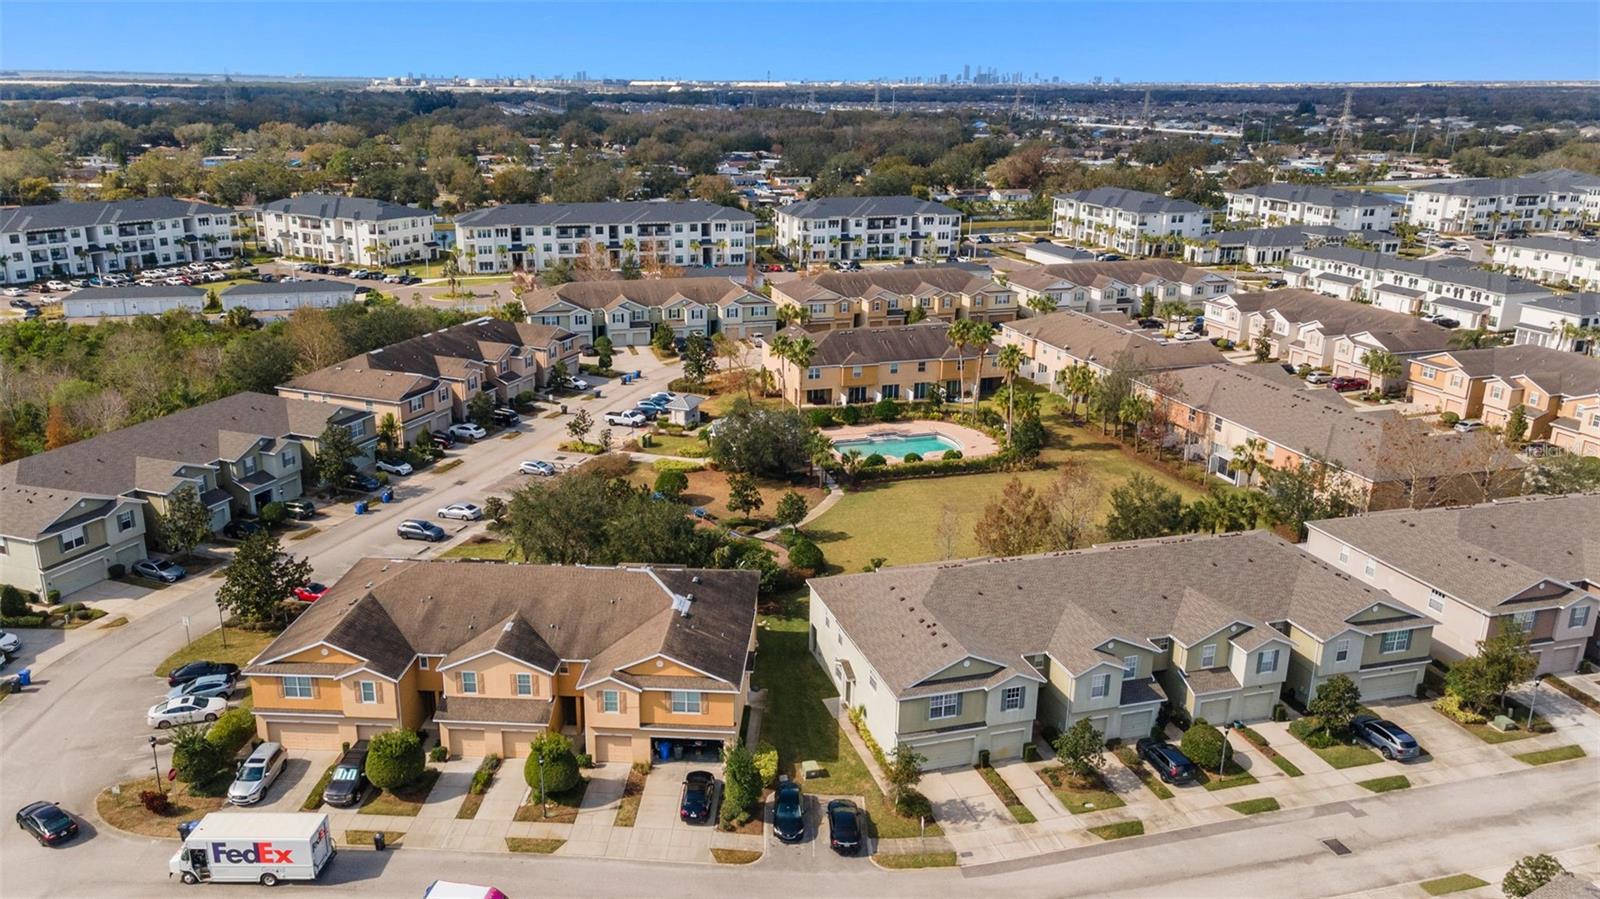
918, 281
1554, 371
1089, 337
645, 292
1127, 271
486, 710
904, 343
1344, 317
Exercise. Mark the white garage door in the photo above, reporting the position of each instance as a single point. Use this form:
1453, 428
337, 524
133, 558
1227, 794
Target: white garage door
467, 744
83, 576
1388, 686
1559, 661
1135, 725
1214, 711
516, 742
315, 737
613, 749
1006, 746
1259, 706
947, 755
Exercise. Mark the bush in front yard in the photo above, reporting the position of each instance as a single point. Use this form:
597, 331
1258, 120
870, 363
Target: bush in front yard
12, 603
1449, 705
767, 762
394, 759
1202, 743
560, 765
155, 802
232, 730
741, 793
1311, 732
805, 555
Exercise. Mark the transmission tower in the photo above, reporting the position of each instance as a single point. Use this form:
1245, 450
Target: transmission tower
1147, 109
1344, 123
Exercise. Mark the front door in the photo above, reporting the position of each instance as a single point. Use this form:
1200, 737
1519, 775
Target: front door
569, 711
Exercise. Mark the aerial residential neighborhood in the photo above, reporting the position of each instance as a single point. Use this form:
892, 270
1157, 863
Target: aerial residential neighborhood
1121, 450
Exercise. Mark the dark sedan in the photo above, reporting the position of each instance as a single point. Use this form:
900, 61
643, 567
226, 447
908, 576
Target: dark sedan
699, 797
47, 823
844, 827
185, 673
789, 819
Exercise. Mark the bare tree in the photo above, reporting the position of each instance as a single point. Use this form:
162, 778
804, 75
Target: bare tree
1074, 499
947, 535
1408, 453
316, 339
1492, 468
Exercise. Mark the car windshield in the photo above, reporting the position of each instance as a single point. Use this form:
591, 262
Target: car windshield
345, 773
252, 773
164, 566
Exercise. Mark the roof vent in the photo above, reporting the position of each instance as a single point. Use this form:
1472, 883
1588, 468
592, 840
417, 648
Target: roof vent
507, 628
680, 604
694, 579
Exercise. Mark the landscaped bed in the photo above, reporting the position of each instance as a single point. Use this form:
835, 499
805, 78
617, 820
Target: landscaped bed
1255, 806
124, 810
1128, 757
1006, 795
1078, 793
405, 801
1118, 830
1455, 883
1234, 776
535, 845
362, 839
912, 860
632, 793
1261, 744
735, 856
1521, 730
1555, 754
563, 807
1386, 784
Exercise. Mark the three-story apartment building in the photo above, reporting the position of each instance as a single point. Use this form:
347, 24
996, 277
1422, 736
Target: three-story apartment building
832, 229
1543, 201
1310, 204
1551, 260
626, 312
1118, 286
881, 297
909, 363
1275, 245
1129, 221
1562, 321
535, 236
80, 239
1476, 297
347, 230
631, 663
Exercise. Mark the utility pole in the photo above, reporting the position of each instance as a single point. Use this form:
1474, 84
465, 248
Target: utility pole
1147, 108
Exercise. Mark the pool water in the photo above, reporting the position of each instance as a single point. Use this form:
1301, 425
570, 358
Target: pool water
928, 446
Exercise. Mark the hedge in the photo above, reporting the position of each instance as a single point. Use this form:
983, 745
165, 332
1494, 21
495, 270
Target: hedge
232, 729
22, 621
395, 759
929, 468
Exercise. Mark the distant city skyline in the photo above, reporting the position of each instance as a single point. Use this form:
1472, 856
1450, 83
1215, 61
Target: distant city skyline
820, 41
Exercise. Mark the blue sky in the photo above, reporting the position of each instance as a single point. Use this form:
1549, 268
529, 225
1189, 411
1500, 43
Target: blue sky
1287, 40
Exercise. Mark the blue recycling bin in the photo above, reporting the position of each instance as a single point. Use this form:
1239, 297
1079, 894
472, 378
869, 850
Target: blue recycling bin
627, 379
387, 495
361, 507
636, 374
25, 677
664, 751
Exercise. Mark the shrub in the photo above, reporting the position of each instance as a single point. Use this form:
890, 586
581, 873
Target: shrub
12, 603
875, 460
54, 596
1202, 743
911, 457
1280, 712
200, 762
439, 753
1449, 705
585, 760
820, 418
912, 804
1449, 419
560, 766
766, 759
394, 759
1312, 733
22, 621
155, 802
273, 514
742, 784
672, 483
806, 555
950, 455
850, 415
233, 729
886, 410
484, 774
1529, 874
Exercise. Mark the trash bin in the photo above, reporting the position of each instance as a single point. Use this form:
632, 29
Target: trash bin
24, 677
563, 408
627, 379
387, 495
361, 507
664, 750
377, 840
636, 374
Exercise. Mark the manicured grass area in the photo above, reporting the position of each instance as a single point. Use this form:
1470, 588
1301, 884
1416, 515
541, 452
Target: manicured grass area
124, 811
1080, 794
1348, 756
1234, 776
447, 465
632, 793
405, 801
1128, 757
563, 807
800, 726
482, 548
362, 839
709, 490
469, 807
677, 445
314, 798
1007, 795
1118, 830
242, 646
1260, 743
1455, 883
305, 532
899, 520
910, 860
735, 856
535, 845
1555, 754
1255, 806
1386, 784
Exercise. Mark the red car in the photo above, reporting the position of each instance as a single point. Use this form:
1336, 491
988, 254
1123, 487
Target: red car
1344, 384
310, 592
772, 268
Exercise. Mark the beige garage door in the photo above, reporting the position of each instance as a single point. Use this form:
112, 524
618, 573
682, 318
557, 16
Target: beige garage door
613, 748
1258, 707
1006, 746
1388, 686
1214, 710
316, 737
516, 742
948, 755
1559, 661
467, 743
1135, 725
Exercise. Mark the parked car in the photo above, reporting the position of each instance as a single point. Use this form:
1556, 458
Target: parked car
1170, 765
57, 285
1389, 738
699, 797
401, 467
417, 529
349, 780
240, 528
9, 642
47, 823
1287, 367
788, 818
1149, 323
443, 439
844, 827
185, 710
537, 467
461, 512
468, 431
629, 418
1187, 335
1345, 384
359, 481
505, 416
159, 570
300, 508
1466, 425
311, 592
1319, 377
257, 773
185, 673
663, 397
15, 292
572, 383
205, 687
1447, 322
650, 413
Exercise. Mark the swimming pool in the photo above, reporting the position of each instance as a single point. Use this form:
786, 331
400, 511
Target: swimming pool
928, 446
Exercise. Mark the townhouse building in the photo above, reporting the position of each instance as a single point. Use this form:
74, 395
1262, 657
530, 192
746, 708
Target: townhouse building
535, 236
630, 663
1128, 221
1527, 562
882, 297
1550, 260
1274, 245
1566, 321
1054, 343
69, 514
833, 229
1543, 201
864, 365
279, 298
626, 312
1211, 412
81, 239
957, 658
129, 300
428, 382
1559, 392
1310, 204
1118, 286
1305, 328
1476, 297
347, 230
1052, 253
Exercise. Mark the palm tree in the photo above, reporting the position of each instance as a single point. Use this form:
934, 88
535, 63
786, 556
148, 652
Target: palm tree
1040, 303
1469, 340
1132, 411
389, 432
452, 269
1010, 360
375, 252
980, 335
1382, 365
1170, 310
1078, 382
1247, 458
960, 337
801, 351
780, 346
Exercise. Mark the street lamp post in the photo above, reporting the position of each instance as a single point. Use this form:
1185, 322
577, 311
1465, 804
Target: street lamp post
1222, 769
1533, 700
544, 798
155, 765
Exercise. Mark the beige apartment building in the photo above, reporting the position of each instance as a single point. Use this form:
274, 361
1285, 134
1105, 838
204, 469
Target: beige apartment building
884, 297
1559, 392
909, 363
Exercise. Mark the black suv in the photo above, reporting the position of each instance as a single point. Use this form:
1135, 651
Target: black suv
185, 673
504, 415
789, 819
349, 780
1170, 765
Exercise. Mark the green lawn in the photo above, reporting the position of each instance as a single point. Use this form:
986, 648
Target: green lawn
1006, 795
899, 520
1080, 795
1556, 754
1517, 713
1261, 744
405, 801
496, 550
1348, 756
242, 646
1255, 806
1235, 776
910, 860
677, 445
1455, 883
1386, 784
535, 845
1118, 830
799, 725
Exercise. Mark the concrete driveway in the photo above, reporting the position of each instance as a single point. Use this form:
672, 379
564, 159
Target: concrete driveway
962, 801
657, 833
812, 852
300, 774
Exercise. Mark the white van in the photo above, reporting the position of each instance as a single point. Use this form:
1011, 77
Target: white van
254, 847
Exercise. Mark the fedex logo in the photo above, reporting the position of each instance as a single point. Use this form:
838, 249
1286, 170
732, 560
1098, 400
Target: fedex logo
257, 854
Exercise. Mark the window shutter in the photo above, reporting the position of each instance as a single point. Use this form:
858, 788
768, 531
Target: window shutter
958, 703
377, 691
622, 701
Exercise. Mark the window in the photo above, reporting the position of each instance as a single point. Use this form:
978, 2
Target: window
1100, 686
1578, 616
1130, 667
1344, 554
1208, 655
1267, 661
1436, 600
296, 688
610, 701
1371, 567
1395, 641
366, 692
422, 663
1012, 698
522, 685
946, 705
125, 520
469, 682
685, 702
1341, 650
71, 540
1523, 621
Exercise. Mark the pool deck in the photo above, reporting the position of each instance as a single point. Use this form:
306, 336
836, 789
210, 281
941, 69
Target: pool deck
972, 443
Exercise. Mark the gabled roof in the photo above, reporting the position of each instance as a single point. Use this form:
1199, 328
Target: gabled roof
289, 288
411, 366
329, 206
1126, 271
1554, 371
913, 281
139, 292
1316, 195
79, 215
1446, 271
863, 207
1132, 201
611, 213
872, 346
1576, 305
1586, 248
1089, 337
513, 638
607, 294
1336, 316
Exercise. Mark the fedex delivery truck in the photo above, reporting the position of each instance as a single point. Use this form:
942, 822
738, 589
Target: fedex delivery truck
254, 847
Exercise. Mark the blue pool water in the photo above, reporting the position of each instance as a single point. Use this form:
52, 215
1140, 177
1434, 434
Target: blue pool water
928, 446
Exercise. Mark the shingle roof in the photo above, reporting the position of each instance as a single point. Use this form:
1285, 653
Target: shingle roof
862, 207
79, 215
1131, 200
613, 213
904, 343
389, 611
1127, 271
1586, 248
1535, 183
1447, 271
329, 206
1089, 337
138, 292
486, 710
918, 280
1484, 554
1556, 372
289, 288
644, 291
1581, 305
1338, 316
915, 621
1317, 195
